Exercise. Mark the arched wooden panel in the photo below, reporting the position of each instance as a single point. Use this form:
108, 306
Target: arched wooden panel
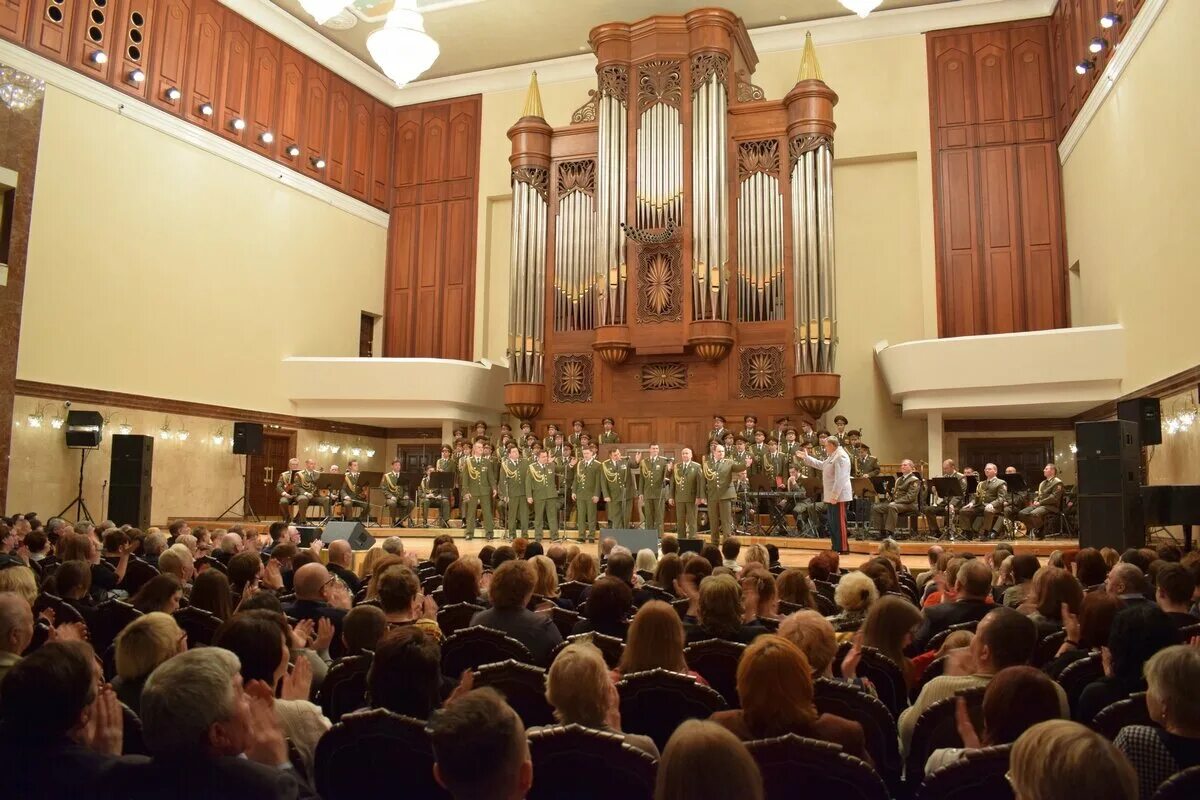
381, 155
234, 76
264, 94
360, 145
50, 26
1033, 89
133, 25
291, 105
204, 49
92, 33
990, 52
168, 52
338, 158
407, 155
315, 129
14, 19
433, 147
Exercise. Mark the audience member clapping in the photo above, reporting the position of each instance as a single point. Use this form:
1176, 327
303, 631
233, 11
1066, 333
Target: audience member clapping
1173, 743
1058, 759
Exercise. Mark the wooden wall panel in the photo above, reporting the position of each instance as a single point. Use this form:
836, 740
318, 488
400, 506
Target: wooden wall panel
50, 26
998, 208
381, 155
204, 62
314, 137
168, 53
237, 50
361, 124
291, 105
431, 275
263, 106
133, 23
1072, 27
338, 158
92, 33
14, 18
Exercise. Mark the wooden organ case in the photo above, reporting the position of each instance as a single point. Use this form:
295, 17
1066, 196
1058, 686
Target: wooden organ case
672, 247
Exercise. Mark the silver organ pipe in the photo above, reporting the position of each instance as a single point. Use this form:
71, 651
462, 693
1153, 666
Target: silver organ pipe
760, 233
608, 273
815, 296
710, 200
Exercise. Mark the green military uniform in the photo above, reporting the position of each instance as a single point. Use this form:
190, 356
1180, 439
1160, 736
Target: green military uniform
541, 484
720, 492
290, 480
774, 466
885, 514
989, 490
306, 487
685, 488
566, 478
716, 435
513, 477
1049, 500
868, 466
609, 437
430, 496
478, 486
354, 495
584, 489
548, 443
653, 471
395, 496
748, 435
945, 506
615, 483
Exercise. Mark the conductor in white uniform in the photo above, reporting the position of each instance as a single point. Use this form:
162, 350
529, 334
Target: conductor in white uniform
835, 490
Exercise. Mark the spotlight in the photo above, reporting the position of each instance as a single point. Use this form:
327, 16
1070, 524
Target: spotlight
293, 151
173, 94
318, 162
99, 57
1085, 66
266, 137
137, 76
1110, 19
206, 109
238, 124
1098, 45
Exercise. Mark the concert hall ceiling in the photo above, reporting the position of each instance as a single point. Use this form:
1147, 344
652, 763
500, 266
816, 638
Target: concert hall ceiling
483, 34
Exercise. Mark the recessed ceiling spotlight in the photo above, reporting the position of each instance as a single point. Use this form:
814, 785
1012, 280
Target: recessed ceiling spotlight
238, 124
1098, 45
206, 109
1110, 19
173, 94
266, 137
100, 57
137, 76
1085, 66
293, 150
318, 162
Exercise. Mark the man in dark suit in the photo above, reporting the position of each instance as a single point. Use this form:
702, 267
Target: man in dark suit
972, 587
510, 593
320, 594
341, 562
208, 736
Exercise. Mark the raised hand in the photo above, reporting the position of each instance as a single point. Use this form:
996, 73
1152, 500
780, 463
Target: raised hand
297, 684
272, 575
324, 635
105, 728
267, 745
302, 632
966, 728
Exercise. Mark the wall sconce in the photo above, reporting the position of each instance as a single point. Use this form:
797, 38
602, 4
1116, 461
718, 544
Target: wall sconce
334, 448
1085, 66
182, 434
1098, 45
370, 452
356, 451
323, 447
1074, 448
218, 436
59, 418
1110, 19
165, 431
36, 419
125, 428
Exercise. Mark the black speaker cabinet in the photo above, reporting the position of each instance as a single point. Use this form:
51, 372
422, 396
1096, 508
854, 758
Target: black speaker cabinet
1146, 413
1108, 464
353, 532
129, 492
84, 429
247, 438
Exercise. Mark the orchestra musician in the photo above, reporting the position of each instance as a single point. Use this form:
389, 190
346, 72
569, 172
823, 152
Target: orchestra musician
685, 490
576, 433
301, 489
751, 422
354, 492
551, 432
289, 497
717, 434
585, 492
514, 491
720, 491
609, 435
429, 496
945, 506
1048, 500
885, 514
835, 490
478, 490
615, 484
541, 491
654, 471
987, 505
395, 495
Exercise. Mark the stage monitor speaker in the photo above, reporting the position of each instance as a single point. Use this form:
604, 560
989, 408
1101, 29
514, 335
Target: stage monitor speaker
247, 438
353, 532
633, 538
691, 545
84, 429
308, 534
130, 494
1108, 468
1145, 412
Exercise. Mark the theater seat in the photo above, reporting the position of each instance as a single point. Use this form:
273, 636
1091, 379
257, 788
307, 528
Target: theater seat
980, 775
655, 702
375, 753
790, 761
588, 764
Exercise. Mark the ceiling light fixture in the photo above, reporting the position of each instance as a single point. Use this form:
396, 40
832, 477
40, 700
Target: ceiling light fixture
1110, 19
266, 137
137, 76
318, 162
861, 7
206, 109
173, 94
99, 57
402, 48
238, 124
19, 91
1098, 45
323, 10
1085, 66
293, 151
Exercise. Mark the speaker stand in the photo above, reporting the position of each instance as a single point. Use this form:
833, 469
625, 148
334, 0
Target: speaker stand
244, 500
82, 511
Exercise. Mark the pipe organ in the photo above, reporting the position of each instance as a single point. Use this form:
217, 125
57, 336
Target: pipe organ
674, 242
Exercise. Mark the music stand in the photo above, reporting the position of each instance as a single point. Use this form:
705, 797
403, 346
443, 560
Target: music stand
860, 487
1016, 483
333, 483
947, 489
882, 485
368, 481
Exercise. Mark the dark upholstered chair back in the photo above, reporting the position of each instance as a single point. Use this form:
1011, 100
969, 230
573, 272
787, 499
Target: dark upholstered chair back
1183, 785
588, 764
456, 616
791, 761
199, 625
979, 776
473, 647
375, 754
937, 727
717, 661
1130, 711
878, 724
657, 701
885, 674
1077, 675
345, 686
523, 687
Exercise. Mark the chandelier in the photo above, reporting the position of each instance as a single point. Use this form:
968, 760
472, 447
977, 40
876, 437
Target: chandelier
323, 10
402, 48
19, 91
861, 7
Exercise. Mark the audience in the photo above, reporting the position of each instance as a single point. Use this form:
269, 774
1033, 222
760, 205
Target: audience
362, 629
608, 605
1172, 743
480, 749
1138, 632
1052, 590
670, 567
1058, 759
160, 593
1127, 582
655, 641
968, 601
719, 612
758, 593
854, 596
461, 583
320, 595
16, 629
705, 761
793, 587
510, 592
1174, 590
582, 568
403, 604
1090, 569
405, 675
1024, 567
140, 647
889, 628
546, 581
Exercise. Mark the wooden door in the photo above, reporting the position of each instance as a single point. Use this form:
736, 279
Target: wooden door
366, 335
14, 19
263, 470
1028, 454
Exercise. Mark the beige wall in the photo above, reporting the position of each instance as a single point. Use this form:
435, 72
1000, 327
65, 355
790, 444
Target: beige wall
884, 213
1129, 189
158, 269
192, 478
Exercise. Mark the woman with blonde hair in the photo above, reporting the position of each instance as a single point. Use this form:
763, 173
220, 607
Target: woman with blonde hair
854, 595
583, 568
580, 690
1057, 759
1172, 744
775, 686
368, 567
20, 580
756, 554
654, 641
704, 761
546, 582
645, 564
140, 647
